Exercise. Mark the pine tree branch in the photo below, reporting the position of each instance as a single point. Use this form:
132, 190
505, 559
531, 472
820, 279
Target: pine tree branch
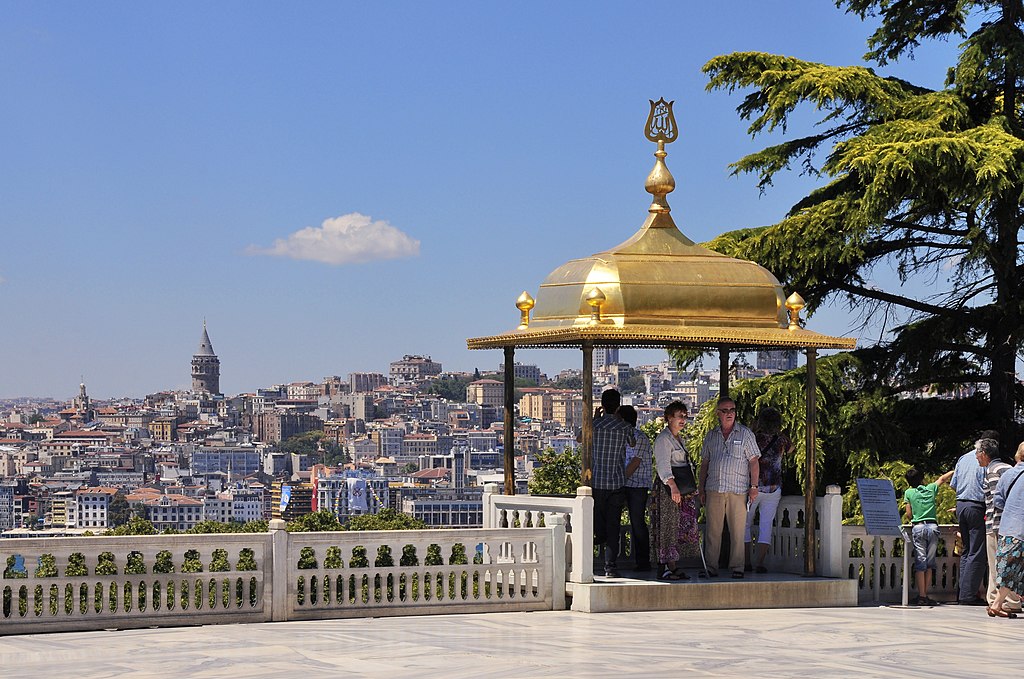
965, 349
934, 230
898, 300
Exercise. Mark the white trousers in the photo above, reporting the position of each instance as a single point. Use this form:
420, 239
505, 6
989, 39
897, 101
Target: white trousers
768, 504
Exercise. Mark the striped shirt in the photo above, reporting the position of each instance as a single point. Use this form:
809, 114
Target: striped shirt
728, 459
993, 471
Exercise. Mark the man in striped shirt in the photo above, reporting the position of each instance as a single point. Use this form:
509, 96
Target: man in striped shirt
987, 451
729, 473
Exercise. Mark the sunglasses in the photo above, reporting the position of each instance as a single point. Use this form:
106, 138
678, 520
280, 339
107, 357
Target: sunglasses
726, 411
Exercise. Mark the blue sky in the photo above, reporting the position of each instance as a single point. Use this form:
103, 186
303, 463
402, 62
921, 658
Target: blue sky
169, 162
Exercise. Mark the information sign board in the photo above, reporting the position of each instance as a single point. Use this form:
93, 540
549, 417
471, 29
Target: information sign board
878, 504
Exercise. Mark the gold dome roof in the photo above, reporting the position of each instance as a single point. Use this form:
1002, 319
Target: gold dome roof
661, 277
659, 288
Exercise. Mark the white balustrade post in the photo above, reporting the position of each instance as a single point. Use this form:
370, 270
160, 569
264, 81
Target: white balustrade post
556, 522
830, 516
278, 571
490, 490
583, 536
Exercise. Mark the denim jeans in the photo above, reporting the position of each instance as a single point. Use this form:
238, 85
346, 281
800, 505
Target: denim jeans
926, 541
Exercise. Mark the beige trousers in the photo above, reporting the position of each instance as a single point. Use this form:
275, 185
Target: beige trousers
1012, 601
721, 508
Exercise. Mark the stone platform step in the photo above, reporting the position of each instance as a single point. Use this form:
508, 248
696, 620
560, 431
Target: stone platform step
773, 590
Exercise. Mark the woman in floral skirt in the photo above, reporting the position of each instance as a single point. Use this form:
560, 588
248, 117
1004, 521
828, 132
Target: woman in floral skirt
674, 534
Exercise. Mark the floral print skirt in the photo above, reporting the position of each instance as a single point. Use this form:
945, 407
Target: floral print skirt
674, 533
1010, 564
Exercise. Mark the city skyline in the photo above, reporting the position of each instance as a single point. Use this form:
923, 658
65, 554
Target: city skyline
335, 187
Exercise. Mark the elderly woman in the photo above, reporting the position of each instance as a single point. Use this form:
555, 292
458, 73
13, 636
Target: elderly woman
986, 450
1009, 497
774, 445
673, 515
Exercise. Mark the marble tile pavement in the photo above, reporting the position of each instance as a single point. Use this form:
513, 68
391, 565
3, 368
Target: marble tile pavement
946, 641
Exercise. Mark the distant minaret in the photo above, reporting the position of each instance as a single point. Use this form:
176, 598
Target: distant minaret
205, 367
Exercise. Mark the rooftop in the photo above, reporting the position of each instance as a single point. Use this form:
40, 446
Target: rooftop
946, 641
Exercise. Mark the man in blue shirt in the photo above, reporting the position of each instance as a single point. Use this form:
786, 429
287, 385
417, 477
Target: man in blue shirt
969, 483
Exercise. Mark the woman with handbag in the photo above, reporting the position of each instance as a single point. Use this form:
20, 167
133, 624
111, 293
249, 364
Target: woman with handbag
773, 445
674, 532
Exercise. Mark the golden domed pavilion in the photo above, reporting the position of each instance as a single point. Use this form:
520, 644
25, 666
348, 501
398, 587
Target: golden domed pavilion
657, 289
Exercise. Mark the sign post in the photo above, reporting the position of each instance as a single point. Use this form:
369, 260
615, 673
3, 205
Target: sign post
882, 517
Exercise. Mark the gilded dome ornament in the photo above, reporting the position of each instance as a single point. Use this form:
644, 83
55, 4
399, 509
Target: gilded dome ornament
595, 299
661, 122
524, 303
795, 303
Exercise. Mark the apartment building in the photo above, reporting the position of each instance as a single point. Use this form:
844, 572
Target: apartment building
486, 393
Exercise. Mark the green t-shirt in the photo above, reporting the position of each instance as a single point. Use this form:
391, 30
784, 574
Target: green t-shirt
922, 501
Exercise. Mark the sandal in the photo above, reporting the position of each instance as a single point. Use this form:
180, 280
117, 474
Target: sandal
998, 613
669, 575
680, 573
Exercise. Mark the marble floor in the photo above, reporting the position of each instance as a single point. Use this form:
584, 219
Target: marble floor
946, 641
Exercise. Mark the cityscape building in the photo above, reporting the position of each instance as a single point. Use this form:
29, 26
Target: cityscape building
205, 367
605, 356
777, 361
486, 393
365, 382
522, 371
414, 369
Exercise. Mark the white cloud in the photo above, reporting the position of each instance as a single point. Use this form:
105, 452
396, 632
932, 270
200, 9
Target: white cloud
348, 239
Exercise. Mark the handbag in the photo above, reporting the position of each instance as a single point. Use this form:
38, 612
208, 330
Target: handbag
686, 484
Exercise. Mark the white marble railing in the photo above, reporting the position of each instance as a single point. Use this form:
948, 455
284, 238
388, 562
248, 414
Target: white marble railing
63, 584
421, 572
52, 584
878, 566
528, 511
786, 554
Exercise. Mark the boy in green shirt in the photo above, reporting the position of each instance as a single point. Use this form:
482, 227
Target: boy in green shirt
920, 511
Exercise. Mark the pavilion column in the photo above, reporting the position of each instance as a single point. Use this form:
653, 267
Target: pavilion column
587, 470
509, 434
723, 373
811, 489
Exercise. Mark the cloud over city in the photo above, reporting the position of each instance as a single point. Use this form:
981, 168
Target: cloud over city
349, 239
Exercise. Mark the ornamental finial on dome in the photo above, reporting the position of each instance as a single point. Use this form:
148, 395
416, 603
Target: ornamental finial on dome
661, 128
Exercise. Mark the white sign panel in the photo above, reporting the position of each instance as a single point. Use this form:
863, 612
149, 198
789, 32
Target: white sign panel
878, 504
